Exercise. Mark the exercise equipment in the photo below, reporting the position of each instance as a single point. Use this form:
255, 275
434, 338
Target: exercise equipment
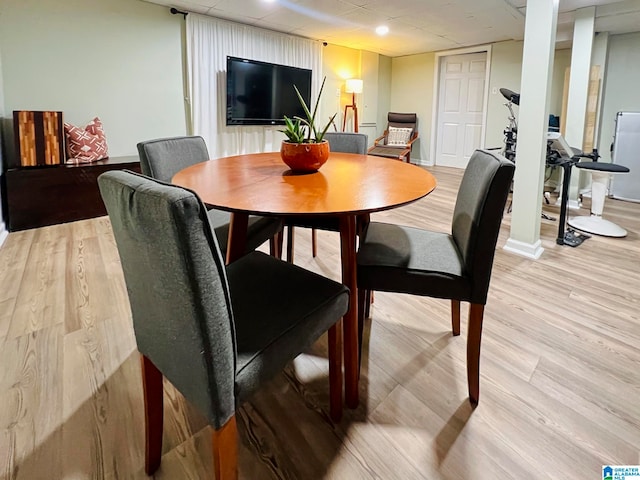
511, 132
559, 154
594, 223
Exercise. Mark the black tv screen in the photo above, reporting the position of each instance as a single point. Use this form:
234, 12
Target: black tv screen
260, 93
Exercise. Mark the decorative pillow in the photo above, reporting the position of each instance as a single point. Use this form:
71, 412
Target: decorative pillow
399, 137
85, 145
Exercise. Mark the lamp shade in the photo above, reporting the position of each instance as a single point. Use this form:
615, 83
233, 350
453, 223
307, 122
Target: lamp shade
354, 85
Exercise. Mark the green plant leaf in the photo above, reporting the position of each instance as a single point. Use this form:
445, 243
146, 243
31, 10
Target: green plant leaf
310, 118
300, 130
315, 110
293, 130
320, 137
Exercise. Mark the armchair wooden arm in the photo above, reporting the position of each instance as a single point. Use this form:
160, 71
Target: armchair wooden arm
400, 153
381, 138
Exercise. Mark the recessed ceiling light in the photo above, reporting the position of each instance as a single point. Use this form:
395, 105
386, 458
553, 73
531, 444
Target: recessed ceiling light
382, 30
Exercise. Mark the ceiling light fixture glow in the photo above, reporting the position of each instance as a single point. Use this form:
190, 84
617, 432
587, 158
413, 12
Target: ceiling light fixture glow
382, 30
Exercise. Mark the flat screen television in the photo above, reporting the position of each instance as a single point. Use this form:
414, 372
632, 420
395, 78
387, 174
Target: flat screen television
260, 93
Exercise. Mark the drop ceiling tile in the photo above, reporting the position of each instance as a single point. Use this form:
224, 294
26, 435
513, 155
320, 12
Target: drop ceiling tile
424, 25
484, 5
617, 8
323, 33
305, 13
329, 7
196, 7
626, 23
251, 9
406, 7
366, 18
569, 5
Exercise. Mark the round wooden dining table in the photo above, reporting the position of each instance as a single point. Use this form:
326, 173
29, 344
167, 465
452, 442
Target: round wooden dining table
347, 186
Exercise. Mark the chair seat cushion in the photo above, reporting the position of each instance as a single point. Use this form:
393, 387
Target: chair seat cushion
279, 311
603, 167
409, 260
388, 151
259, 229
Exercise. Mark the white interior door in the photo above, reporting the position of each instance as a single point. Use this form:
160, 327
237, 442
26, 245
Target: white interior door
460, 108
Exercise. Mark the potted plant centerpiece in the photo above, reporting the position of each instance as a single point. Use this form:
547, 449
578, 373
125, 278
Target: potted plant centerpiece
305, 149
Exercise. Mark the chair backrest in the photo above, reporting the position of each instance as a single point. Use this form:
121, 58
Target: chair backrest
177, 286
401, 120
347, 142
162, 158
478, 214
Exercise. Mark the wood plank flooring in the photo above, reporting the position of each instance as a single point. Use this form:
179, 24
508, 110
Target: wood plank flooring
560, 369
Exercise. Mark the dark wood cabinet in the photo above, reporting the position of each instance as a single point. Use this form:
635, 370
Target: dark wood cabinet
48, 195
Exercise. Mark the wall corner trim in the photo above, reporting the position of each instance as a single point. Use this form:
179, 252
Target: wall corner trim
3, 233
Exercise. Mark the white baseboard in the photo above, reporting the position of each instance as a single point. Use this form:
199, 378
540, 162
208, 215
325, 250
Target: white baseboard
529, 250
422, 163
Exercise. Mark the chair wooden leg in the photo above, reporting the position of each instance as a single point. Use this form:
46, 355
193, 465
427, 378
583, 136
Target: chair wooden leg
455, 317
273, 247
279, 240
225, 451
362, 223
476, 314
153, 407
290, 235
362, 316
335, 371
314, 242
364, 312
368, 302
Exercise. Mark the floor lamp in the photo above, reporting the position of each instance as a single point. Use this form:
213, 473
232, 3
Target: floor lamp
354, 85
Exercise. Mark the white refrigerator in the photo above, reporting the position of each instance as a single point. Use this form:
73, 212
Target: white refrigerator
626, 151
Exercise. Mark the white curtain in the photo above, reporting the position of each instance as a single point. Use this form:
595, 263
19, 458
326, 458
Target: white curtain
209, 42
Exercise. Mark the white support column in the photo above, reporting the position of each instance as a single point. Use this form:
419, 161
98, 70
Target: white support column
583, 32
599, 54
537, 66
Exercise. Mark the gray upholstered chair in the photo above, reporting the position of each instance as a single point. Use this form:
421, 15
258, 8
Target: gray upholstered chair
455, 266
397, 144
162, 158
344, 142
347, 142
217, 333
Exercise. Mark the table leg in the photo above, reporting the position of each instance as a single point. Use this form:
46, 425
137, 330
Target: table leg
350, 319
237, 241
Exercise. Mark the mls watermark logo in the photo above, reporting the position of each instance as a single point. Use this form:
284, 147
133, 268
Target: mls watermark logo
621, 472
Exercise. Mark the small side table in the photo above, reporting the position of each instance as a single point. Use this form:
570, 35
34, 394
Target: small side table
600, 172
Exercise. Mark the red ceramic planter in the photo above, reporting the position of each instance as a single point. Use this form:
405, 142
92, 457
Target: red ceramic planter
304, 157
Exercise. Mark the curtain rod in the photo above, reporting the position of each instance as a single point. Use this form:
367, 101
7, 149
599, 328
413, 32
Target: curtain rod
175, 11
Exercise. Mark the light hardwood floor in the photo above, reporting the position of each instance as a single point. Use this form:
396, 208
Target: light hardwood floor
560, 369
